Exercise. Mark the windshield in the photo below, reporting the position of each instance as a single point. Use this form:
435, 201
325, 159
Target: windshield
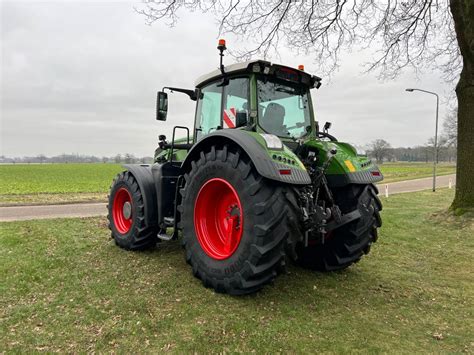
283, 109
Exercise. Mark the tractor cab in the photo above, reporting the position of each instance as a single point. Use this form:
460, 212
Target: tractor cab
257, 96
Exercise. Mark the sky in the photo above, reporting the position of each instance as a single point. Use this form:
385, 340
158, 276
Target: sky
82, 77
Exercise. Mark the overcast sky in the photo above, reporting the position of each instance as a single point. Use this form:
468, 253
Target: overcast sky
81, 77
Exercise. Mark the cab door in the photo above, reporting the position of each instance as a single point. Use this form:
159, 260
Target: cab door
222, 106
236, 103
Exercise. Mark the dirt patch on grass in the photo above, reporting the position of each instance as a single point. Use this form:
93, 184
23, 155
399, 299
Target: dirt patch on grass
451, 218
51, 198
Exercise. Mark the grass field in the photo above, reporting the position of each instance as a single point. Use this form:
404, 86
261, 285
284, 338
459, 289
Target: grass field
66, 287
55, 183
408, 171
64, 183
22, 179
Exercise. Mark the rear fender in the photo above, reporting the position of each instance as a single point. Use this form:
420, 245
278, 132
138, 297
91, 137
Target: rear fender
269, 162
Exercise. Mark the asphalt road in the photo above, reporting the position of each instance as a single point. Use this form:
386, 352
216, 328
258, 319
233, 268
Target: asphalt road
22, 213
416, 185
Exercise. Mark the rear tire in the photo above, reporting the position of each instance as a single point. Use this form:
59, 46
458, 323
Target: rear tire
346, 245
126, 214
225, 258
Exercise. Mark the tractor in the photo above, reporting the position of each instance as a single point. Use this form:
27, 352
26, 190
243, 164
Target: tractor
256, 183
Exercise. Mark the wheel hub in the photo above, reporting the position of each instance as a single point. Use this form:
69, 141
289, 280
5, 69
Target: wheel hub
234, 213
218, 218
127, 210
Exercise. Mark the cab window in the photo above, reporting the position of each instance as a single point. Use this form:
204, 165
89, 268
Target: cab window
208, 114
283, 109
210, 117
236, 103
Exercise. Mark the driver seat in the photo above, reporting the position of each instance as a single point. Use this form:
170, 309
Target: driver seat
273, 118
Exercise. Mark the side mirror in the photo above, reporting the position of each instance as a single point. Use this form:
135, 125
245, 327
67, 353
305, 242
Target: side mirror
327, 125
161, 106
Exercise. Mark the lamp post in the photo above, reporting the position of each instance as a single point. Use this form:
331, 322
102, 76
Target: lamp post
436, 133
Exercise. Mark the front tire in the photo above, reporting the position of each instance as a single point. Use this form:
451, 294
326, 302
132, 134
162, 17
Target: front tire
126, 214
346, 245
234, 223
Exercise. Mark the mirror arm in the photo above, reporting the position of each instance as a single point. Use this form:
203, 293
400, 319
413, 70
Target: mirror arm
191, 93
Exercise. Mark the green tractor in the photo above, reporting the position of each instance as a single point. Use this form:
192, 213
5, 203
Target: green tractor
256, 184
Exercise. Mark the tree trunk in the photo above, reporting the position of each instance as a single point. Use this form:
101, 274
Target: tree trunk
463, 15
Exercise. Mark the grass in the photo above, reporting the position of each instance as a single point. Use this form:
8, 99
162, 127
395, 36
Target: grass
55, 183
408, 171
20, 179
66, 183
66, 287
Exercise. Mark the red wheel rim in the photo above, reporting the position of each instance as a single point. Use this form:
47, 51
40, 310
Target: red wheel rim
218, 218
122, 210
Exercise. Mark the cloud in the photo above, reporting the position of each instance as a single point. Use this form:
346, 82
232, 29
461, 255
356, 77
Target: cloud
82, 77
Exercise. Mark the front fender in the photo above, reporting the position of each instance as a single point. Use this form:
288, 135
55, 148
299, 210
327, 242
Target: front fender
280, 165
347, 167
143, 174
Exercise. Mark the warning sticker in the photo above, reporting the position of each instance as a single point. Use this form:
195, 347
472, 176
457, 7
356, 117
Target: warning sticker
229, 118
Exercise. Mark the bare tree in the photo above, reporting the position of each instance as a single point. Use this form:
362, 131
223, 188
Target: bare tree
403, 30
450, 126
418, 34
440, 146
129, 158
41, 158
380, 149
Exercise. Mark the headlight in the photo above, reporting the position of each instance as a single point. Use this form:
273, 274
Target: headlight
272, 141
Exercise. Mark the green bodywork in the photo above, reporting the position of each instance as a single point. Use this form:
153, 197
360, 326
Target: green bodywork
286, 155
346, 161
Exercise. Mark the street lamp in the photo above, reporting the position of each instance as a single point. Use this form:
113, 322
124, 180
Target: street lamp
436, 133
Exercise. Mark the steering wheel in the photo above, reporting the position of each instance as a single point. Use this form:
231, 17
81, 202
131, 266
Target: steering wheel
327, 135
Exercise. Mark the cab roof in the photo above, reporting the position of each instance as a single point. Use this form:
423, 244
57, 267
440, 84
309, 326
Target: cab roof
264, 67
